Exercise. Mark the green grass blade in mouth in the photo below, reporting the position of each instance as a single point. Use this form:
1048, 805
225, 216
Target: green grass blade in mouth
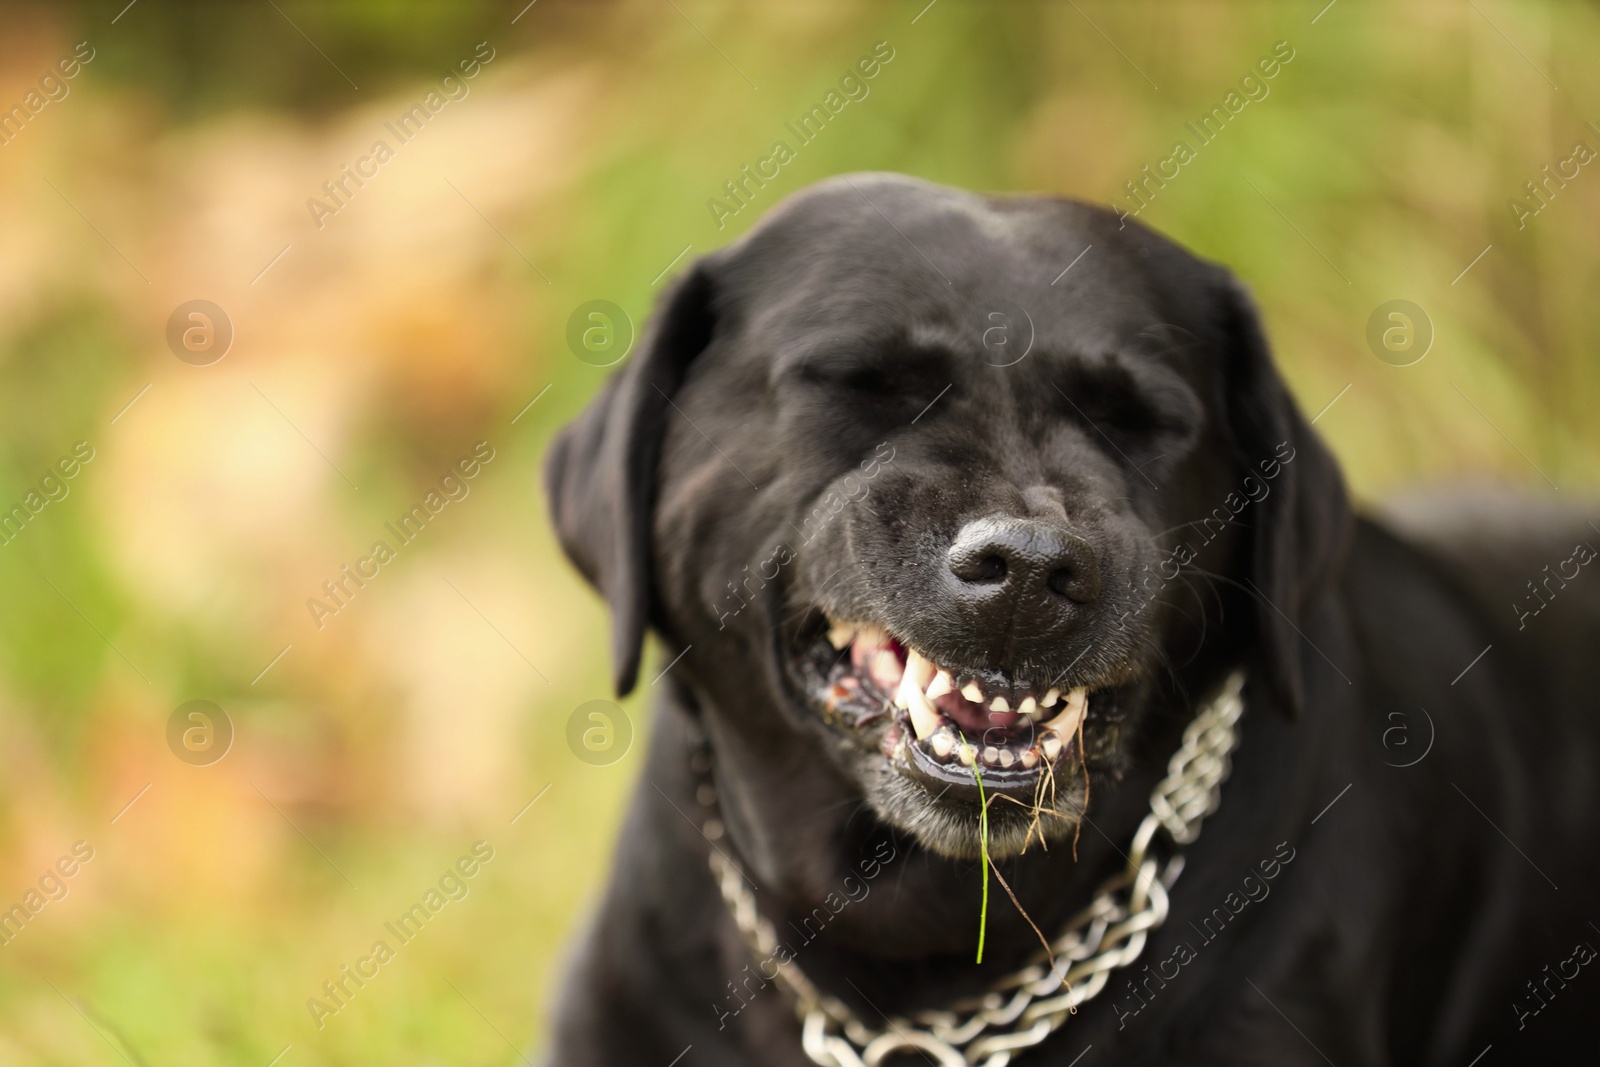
983, 849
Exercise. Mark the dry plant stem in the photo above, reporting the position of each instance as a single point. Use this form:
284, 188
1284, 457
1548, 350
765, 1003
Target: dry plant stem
1049, 954
1030, 807
1083, 766
1039, 808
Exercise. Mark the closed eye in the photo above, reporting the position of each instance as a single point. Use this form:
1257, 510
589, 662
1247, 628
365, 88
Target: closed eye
1141, 413
852, 374
893, 371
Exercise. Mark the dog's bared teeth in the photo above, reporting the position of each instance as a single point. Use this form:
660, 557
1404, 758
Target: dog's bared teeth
972, 692
999, 704
886, 670
991, 756
917, 674
1050, 745
942, 683
924, 720
1064, 726
1050, 698
869, 641
1028, 708
1030, 759
965, 754
1066, 717
841, 634
943, 742
871, 635
1069, 721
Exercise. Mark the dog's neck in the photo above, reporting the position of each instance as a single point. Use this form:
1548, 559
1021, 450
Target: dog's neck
905, 973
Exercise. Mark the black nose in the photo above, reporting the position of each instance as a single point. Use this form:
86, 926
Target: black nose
1024, 566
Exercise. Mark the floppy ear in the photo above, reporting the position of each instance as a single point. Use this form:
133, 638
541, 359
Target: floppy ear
600, 473
1304, 524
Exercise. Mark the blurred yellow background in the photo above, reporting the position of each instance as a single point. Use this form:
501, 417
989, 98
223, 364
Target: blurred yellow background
377, 345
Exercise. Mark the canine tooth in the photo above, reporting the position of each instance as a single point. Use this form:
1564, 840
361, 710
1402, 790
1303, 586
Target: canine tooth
886, 669
1066, 724
964, 754
840, 634
1030, 759
972, 692
924, 720
1007, 758
991, 755
942, 683
1060, 730
999, 704
1028, 707
919, 670
1050, 698
943, 742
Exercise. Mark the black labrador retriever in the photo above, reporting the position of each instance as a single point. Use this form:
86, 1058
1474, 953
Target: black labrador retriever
934, 497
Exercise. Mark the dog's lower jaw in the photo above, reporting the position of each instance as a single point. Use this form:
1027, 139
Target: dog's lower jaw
954, 831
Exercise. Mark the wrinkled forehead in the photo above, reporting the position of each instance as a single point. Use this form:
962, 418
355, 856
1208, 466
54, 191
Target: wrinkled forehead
988, 281
975, 327
867, 313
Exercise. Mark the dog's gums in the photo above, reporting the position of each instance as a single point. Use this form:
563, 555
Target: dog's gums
932, 722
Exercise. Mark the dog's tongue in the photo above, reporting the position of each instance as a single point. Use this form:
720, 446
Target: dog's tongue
974, 718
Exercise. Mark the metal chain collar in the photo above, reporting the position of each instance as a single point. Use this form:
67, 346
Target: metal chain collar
1028, 1005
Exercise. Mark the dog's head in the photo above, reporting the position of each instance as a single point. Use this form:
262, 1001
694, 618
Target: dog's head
933, 486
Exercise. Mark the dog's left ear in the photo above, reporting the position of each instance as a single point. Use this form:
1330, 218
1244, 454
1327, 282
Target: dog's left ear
1304, 524
600, 472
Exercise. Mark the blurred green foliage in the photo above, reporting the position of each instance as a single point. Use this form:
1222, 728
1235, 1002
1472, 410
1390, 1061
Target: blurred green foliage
1379, 166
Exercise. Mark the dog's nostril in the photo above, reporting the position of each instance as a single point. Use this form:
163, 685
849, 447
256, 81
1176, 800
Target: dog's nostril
1060, 581
984, 569
1074, 583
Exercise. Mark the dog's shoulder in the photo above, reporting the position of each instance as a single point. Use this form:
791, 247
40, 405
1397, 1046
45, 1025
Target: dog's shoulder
1529, 560
1524, 571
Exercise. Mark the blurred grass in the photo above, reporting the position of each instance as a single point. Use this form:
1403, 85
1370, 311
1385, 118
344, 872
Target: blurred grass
419, 320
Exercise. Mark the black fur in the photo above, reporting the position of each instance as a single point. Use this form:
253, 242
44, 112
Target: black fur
806, 365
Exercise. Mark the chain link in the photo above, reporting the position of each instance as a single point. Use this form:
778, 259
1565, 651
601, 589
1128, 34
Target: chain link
1028, 1005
